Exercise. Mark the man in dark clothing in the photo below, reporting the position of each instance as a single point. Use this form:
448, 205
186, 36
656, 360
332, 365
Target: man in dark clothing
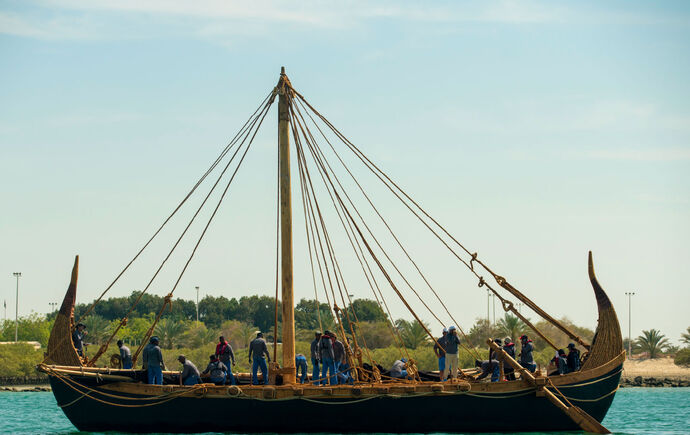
78, 338
327, 358
495, 356
440, 351
573, 358
257, 350
125, 355
216, 370
153, 362
451, 347
190, 374
315, 362
339, 357
225, 355
488, 367
526, 358
509, 348
561, 362
301, 366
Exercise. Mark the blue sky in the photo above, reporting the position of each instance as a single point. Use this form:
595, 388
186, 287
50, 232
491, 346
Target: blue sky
535, 131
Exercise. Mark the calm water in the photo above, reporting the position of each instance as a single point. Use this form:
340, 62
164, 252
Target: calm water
634, 411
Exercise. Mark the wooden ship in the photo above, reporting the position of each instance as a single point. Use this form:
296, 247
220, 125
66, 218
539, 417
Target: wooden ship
109, 398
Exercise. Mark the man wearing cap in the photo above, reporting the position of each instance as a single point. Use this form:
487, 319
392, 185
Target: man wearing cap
125, 355
399, 369
526, 358
327, 357
258, 349
509, 348
216, 370
440, 351
451, 347
78, 338
153, 362
315, 358
573, 358
339, 358
190, 374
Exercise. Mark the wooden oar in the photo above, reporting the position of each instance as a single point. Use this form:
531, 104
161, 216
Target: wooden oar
576, 414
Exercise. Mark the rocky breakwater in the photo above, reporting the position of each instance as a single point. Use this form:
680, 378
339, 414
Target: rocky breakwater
640, 381
658, 372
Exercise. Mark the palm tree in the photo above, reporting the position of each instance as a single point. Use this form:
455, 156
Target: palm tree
685, 337
511, 326
98, 329
413, 333
246, 334
169, 332
652, 342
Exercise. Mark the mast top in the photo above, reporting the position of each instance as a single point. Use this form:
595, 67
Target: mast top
282, 70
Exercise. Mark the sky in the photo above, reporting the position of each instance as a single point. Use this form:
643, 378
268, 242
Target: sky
534, 131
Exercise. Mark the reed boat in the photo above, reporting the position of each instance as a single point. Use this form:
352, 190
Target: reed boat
97, 397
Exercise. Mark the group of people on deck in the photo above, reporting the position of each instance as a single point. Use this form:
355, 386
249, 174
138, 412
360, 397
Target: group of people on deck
330, 362
328, 359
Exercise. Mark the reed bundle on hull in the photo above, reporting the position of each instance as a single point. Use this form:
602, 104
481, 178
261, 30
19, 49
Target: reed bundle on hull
99, 398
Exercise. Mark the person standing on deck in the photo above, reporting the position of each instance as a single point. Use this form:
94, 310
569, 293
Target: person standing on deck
257, 350
440, 352
526, 358
315, 358
301, 365
125, 355
190, 374
339, 357
494, 360
451, 346
509, 348
216, 370
573, 358
225, 355
153, 362
327, 357
78, 338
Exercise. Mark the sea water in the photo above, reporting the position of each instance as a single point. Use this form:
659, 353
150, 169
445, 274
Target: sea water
634, 411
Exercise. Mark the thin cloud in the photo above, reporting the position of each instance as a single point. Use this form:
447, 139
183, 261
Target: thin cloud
642, 155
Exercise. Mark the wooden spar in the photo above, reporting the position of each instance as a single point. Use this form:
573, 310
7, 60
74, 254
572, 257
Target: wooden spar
288, 323
580, 417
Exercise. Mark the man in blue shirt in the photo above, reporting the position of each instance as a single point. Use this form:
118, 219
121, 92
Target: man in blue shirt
440, 351
451, 346
301, 366
257, 349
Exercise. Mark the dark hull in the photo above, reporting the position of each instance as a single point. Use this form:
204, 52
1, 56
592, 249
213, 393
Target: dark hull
462, 412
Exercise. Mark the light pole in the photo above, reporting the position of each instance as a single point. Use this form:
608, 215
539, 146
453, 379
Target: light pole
493, 302
519, 305
16, 307
629, 295
52, 306
197, 304
488, 306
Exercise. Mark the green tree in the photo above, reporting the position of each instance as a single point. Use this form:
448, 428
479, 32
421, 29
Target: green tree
97, 328
653, 342
307, 315
480, 331
412, 333
170, 332
511, 326
197, 335
376, 334
685, 337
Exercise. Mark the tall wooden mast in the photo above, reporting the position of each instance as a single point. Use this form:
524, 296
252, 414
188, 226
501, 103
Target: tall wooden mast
288, 323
